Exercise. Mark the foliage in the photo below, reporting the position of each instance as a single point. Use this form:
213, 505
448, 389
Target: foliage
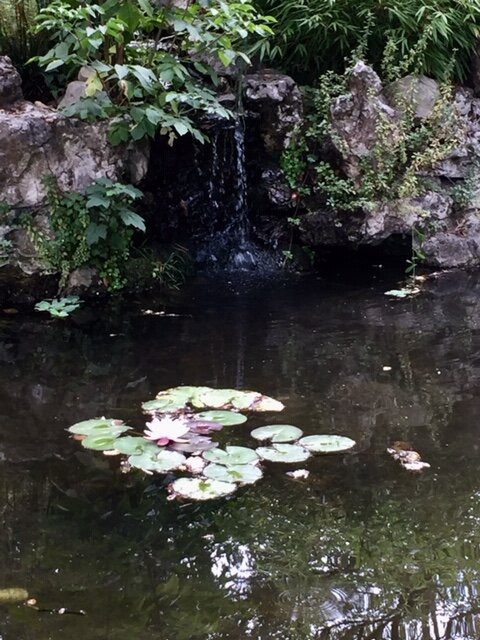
61, 307
178, 428
167, 267
404, 148
17, 40
315, 35
150, 61
95, 228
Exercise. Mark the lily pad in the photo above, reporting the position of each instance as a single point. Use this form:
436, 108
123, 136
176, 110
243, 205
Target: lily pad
327, 444
277, 433
264, 403
99, 426
100, 442
217, 398
242, 473
195, 444
201, 488
163, 405
406, 292
227, 418
232, 456
243, 400
284, 453
132, 445
160, 460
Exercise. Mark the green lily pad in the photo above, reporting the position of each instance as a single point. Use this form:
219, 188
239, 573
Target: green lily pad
243, 400
227, 418
284, 453
99, 426
327, 444
264, 403
132, 445
277, 433
231, 456
165, 404
100, 442
242, 473
216, 398
161, 460
201, 488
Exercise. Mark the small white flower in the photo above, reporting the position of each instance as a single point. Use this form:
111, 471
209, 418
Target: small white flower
165, 430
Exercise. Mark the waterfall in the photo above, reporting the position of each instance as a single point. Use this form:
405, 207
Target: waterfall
227, 243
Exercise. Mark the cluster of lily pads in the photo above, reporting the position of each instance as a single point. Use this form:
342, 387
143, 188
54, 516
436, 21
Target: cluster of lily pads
179, 438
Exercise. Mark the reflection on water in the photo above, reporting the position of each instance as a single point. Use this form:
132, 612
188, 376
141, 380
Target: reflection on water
360, 550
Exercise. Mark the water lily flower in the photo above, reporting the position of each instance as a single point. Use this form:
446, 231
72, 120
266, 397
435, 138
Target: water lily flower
165, 430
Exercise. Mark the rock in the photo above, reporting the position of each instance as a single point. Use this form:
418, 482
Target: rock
36, 141
418, 91
277, 101
10, 83
448, 250
355, 117
74, 92
85, 73
83, 279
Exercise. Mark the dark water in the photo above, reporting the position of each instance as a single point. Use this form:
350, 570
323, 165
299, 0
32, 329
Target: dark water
360, 550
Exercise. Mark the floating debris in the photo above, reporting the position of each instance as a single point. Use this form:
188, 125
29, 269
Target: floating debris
410, 459
299, 474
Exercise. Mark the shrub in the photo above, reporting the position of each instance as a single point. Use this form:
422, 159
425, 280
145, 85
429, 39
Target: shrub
315, 35
94, 229
151, 61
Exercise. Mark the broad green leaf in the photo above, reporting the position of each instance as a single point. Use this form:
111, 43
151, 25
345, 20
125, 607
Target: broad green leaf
99, 425
160, 461
327, 444
93, 85
133, 445
241, 473
231, 456
201, 488
99, 442
277, 433
95, 232
283, 453
132, 219
227, 418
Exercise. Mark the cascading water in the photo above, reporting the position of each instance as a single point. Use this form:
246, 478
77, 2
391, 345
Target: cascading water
229, 243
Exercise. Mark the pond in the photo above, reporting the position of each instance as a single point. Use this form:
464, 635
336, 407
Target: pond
360, 549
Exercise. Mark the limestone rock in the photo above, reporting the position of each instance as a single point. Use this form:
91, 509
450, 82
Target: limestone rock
277, 100
419, 91
355, 117
74, 92
36, 141
10, 83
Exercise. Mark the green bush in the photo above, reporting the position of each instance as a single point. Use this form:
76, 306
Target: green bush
313, 36
91, 229
405, 148
154, 63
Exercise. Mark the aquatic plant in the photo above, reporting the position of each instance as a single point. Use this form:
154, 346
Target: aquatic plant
178, 438
59, 307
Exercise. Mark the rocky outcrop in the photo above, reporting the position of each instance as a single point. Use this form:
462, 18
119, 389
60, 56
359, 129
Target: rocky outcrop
446, 213
37, 141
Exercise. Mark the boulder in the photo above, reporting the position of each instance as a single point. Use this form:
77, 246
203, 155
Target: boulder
74, 92
36, 141
419, 92
276, 100
355, 118
10, 83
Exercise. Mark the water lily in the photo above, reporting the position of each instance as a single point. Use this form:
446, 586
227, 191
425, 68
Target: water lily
165, 430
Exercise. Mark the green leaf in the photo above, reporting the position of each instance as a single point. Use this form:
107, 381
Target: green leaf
96, 232
277, 433
180, 128
241, 473
284, 453
231, 456
54, 65
201, 488
327, 443
132, 219
97, 426
159, 460
227, 418
100, 442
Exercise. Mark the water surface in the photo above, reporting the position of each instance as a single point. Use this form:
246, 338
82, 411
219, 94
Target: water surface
360, 550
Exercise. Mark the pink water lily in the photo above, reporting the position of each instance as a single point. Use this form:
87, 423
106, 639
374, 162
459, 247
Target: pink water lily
165, 430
